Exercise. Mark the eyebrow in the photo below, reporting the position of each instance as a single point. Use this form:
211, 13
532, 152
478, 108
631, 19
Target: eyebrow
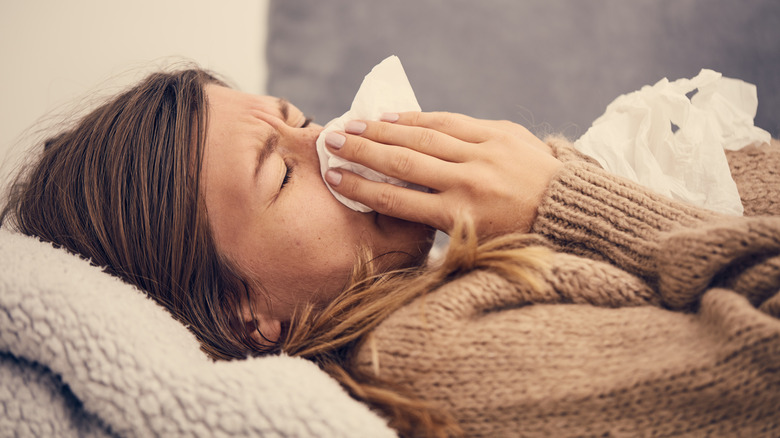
270, 146
284, 108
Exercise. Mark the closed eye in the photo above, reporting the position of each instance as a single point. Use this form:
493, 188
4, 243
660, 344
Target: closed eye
287, 175
307, 121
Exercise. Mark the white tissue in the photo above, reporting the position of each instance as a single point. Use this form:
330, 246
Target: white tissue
385, 89
673, 144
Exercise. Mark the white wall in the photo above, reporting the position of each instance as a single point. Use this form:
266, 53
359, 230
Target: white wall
55, 52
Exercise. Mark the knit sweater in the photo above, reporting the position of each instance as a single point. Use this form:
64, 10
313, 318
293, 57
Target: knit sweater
655, 318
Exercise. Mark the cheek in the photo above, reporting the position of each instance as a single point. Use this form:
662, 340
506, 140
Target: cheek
324, 230
346, 227
330, 217
304, 265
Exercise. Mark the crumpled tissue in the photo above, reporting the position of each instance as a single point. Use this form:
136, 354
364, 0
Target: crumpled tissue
674, 144
385, 89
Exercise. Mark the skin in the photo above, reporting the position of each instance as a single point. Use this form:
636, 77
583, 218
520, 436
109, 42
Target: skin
286, 231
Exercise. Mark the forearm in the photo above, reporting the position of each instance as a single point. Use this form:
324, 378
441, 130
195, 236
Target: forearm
678, 248
590, 212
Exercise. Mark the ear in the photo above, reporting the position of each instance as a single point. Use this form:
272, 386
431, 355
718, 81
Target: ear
264, 329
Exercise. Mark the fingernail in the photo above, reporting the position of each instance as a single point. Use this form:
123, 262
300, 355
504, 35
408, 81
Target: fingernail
333, 177
355, 127
335, 140
389, 117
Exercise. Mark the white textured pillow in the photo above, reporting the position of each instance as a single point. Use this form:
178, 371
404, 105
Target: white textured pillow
135, 370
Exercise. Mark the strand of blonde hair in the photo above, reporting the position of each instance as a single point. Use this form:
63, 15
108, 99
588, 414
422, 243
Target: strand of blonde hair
332, 336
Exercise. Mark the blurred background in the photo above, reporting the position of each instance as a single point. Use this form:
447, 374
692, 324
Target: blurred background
552, 65
56, 54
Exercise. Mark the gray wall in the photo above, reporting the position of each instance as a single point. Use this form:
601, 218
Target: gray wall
552, 65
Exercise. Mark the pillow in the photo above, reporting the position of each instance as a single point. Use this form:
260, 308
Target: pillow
550, 65
82, 353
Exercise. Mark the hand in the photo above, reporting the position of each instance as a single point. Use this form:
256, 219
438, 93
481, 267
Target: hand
494, 172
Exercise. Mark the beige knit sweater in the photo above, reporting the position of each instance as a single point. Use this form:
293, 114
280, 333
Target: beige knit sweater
655, 319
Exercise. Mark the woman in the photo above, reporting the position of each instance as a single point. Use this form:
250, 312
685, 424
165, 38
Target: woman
211, 201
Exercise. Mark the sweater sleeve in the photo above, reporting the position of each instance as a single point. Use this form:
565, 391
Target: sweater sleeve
590, 212
676, 247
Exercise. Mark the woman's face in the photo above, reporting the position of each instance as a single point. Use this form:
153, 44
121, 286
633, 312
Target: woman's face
272, 215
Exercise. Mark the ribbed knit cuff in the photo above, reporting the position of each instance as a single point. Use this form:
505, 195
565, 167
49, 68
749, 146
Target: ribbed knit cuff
591, 212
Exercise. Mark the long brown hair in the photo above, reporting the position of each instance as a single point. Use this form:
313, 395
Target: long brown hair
121, 187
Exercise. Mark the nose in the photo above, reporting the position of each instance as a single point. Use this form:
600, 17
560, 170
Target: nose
302, 141
307, 136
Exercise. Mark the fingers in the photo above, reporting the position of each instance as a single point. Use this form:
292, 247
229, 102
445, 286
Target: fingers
469, 129
406, 164
391, 200
421, 148
447, 136
430, 142
459, 126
